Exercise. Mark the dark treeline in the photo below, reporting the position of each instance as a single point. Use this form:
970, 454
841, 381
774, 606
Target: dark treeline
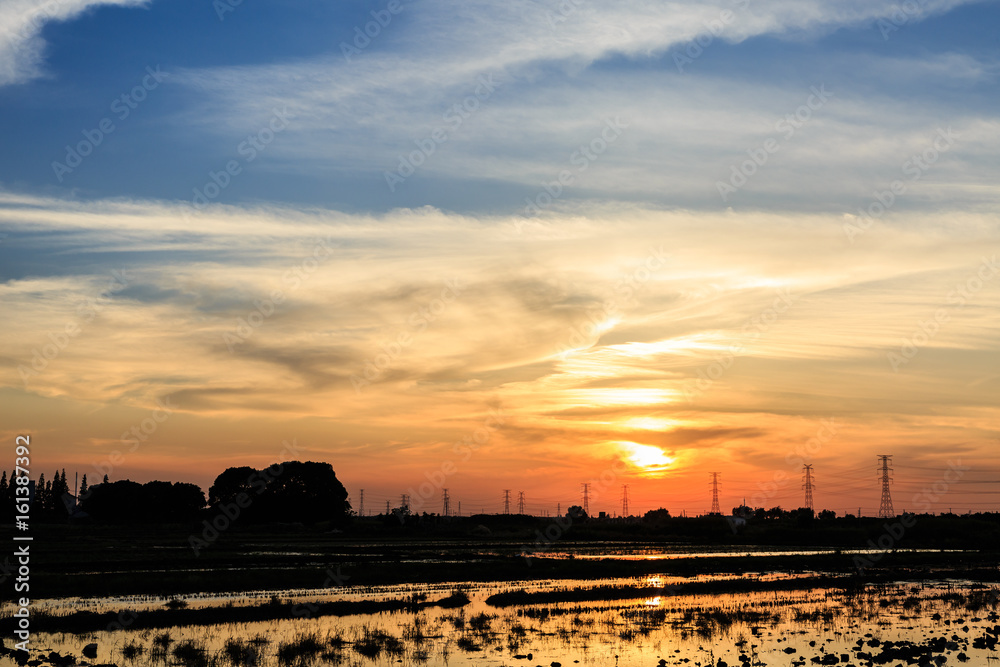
293, 491
49, 501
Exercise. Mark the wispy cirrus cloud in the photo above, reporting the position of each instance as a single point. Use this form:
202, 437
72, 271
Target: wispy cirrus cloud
22, 48
559, 81
502, 340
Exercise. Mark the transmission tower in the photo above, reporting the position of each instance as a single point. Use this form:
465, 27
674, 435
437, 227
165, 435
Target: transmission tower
808, 486
445, 500
361, 510
520, 502
506, 501
885, 509
586, 498
624, 499
558, 509
387, 510
404, 501
715, 493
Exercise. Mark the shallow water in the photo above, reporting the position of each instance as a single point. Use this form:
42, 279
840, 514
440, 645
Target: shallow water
700, 629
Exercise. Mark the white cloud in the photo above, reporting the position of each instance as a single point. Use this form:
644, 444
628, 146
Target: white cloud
685, 130
22, 48
523, 297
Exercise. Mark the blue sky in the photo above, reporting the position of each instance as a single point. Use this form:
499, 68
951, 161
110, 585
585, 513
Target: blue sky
937, 67
544, 157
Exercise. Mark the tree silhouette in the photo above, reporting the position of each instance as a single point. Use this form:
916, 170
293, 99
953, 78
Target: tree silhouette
290, 491
125, 501
231, 483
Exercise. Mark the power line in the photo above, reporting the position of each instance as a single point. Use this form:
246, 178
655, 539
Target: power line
715, 493
885, 510
807, 469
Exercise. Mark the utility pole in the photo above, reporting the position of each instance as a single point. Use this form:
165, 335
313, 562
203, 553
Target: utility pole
586, 498
624, 499
885, 509
520, 502
506, 501
808, 486
715, 493
445, 500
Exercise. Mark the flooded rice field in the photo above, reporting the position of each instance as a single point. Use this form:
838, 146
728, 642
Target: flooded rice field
945, 622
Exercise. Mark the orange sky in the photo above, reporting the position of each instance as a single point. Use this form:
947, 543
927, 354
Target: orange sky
517, 356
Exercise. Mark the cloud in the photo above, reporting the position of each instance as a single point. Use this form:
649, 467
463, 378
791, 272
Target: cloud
529, 331
22, 48
528, 323
559, 79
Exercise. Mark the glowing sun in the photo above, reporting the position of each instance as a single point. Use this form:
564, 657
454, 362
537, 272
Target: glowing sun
650, 459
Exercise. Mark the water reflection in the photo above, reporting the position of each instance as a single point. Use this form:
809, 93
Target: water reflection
955, 620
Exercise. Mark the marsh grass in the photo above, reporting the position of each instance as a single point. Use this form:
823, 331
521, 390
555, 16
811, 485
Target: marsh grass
468, 644
169, 616
132, 650
190, 654
302, 647
243, 653
374, 642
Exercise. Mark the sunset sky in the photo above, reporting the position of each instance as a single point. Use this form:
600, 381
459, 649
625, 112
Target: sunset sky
505, 245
